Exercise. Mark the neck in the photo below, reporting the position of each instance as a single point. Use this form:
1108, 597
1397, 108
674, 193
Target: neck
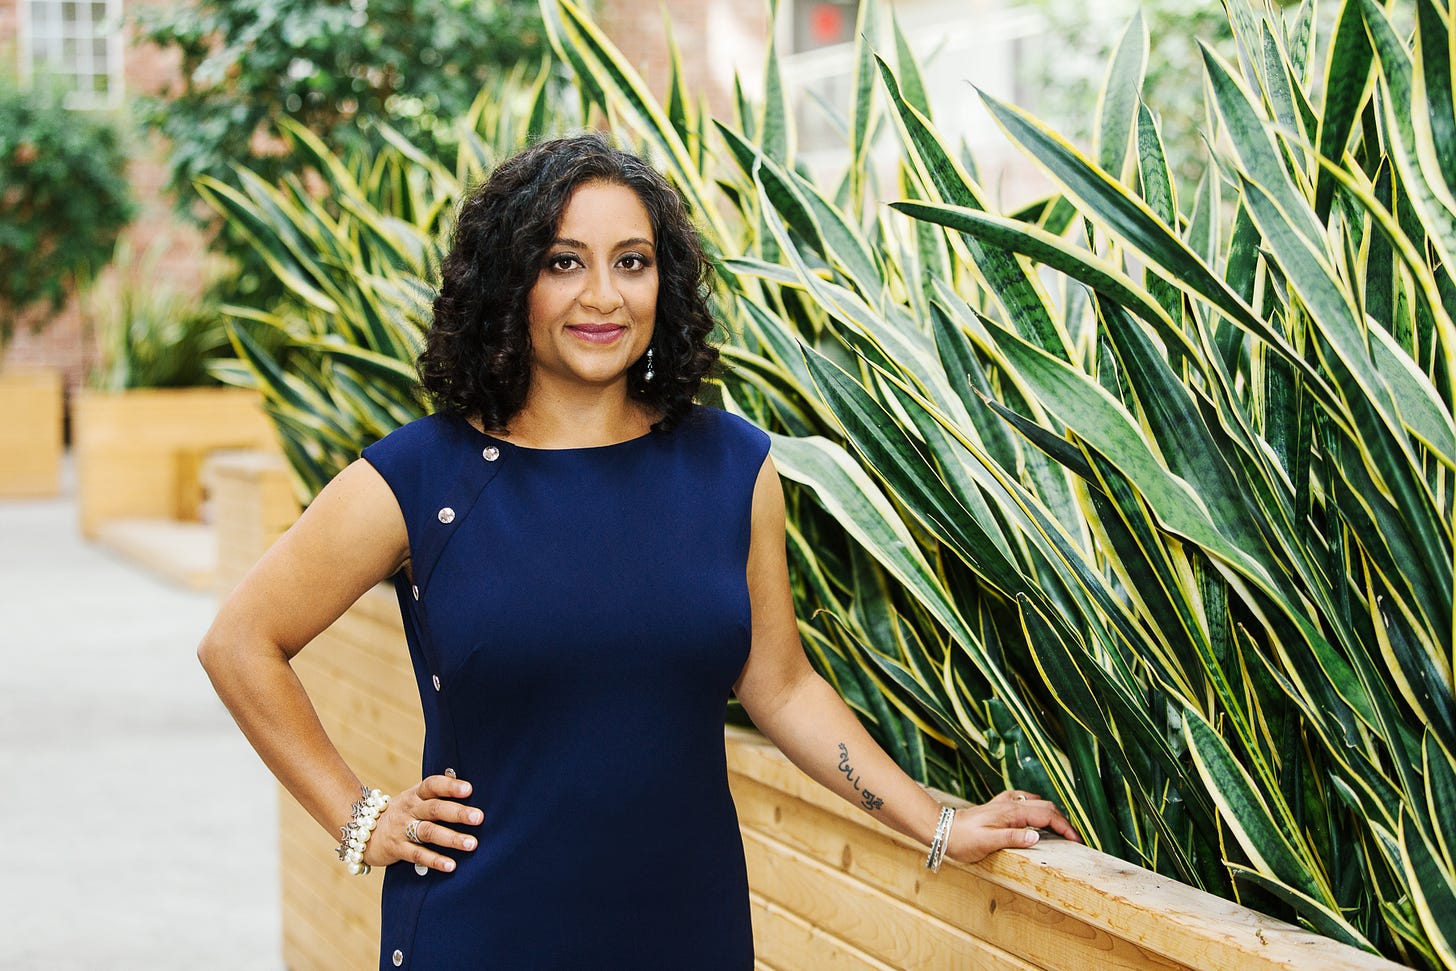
580, 419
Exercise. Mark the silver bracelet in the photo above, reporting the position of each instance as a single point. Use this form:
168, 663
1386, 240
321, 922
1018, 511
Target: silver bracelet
942, 839
354, 835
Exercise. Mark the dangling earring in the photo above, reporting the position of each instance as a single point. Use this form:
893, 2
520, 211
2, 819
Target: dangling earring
649, 374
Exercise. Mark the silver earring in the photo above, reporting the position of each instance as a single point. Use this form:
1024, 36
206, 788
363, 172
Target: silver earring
649, 374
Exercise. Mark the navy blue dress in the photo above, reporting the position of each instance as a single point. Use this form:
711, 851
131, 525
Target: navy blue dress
576, 619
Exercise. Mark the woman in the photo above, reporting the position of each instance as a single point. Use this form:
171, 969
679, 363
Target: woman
587, 564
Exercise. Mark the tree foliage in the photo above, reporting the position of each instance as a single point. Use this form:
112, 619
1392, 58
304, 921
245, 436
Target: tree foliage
339, 68
63, 200
343, 69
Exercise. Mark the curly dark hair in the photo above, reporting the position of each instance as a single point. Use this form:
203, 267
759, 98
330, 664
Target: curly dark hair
477, 355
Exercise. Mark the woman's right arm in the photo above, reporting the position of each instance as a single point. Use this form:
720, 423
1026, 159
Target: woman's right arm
351, 537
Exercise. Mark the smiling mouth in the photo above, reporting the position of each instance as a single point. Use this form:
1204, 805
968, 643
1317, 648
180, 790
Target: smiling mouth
598, 333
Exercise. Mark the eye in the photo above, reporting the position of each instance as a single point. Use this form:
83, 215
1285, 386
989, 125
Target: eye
634, 261
561, 262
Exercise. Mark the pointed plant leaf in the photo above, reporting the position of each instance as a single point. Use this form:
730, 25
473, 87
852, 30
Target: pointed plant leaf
1118, 101
1433, 888
1245, 811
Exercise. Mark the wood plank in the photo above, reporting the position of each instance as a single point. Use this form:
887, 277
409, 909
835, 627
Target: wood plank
386, 674
1156, 913
318, 937
351, 902
380, 605
887, 929
138, 453
184, 553
32, 401
382, 641
335, 671
789, 941
1011, 921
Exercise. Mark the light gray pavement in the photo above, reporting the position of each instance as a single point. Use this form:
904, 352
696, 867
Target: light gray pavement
137, 828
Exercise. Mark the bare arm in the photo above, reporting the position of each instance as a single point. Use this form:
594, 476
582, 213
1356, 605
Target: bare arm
350, 537
803, 715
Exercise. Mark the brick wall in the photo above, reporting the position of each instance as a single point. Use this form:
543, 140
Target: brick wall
64, 340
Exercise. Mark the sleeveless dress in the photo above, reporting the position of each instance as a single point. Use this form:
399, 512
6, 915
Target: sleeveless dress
576, 619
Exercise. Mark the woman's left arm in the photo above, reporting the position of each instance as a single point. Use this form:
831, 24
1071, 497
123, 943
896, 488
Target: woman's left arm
803, 715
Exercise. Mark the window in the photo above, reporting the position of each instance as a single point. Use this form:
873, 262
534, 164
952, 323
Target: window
77, 44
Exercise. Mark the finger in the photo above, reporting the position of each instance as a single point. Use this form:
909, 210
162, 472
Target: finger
448, 811
982, 841
1016, 837
1062, 827
442, 787
424, 856
432, 832
1043, 815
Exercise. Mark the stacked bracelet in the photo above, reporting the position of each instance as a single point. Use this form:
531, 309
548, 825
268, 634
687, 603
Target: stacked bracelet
942, 839
354, 835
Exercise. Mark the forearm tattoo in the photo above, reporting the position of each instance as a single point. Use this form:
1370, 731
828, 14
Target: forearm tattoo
867, 799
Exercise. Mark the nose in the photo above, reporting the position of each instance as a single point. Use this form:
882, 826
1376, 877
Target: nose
600, 292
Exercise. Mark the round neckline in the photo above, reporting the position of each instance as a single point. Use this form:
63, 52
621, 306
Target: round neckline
552, 451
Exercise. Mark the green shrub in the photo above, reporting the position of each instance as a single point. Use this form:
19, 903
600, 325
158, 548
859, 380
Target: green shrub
150, 334
63, 201
353, 73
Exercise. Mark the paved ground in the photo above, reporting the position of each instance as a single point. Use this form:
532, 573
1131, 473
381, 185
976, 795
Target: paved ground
137, 829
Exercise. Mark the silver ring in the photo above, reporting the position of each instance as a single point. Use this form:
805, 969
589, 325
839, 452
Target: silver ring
411, 831
1019, 796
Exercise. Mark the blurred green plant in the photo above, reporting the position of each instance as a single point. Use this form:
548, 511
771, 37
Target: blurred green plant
342, 70
64, 199
1112, 498
1060, 74
356, 251
151, 335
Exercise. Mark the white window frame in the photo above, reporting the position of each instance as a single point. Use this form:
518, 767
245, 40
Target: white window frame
62, 39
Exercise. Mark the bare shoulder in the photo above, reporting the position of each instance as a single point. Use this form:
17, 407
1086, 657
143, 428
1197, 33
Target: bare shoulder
349, 538
768, 499
356, 521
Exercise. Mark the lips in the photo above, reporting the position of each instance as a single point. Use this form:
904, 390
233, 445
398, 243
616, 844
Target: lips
598, 333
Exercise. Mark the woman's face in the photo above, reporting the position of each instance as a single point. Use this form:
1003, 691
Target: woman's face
592, 308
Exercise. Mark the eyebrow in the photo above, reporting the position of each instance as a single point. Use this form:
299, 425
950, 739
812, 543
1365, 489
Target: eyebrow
578, 244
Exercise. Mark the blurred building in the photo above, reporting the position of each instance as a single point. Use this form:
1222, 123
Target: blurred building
962, 45
86, 46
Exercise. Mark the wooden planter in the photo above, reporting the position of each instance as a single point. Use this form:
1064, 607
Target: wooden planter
831, 889
32, 433
139, 454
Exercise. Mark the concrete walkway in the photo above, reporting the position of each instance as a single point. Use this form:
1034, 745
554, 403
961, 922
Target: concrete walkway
137, 828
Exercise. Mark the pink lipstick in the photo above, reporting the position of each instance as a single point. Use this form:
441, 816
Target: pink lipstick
598, 333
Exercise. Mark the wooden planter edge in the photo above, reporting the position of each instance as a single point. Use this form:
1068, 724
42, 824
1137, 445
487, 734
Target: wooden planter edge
1155, 913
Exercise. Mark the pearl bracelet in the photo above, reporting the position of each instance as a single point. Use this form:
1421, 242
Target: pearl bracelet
354, 835
942, 839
